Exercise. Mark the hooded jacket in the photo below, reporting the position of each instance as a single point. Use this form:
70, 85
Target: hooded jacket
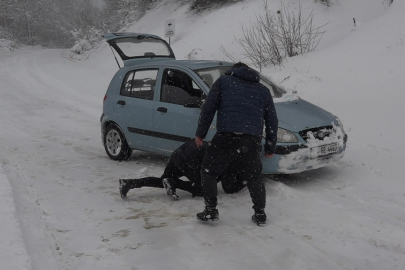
243, 105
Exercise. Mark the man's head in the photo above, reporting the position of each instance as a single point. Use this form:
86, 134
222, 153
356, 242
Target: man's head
244, 72
240, 64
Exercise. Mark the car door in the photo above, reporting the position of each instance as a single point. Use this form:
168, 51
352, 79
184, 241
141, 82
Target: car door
173, 122
135, 107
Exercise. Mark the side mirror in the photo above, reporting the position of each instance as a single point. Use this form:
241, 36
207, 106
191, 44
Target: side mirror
193, 102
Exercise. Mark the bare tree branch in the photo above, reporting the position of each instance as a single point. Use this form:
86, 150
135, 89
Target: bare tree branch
273, 37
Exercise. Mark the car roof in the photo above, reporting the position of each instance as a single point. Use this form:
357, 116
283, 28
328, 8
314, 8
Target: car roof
201, 64
191, 64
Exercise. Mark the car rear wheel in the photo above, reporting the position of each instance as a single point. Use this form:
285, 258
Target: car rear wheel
115, 143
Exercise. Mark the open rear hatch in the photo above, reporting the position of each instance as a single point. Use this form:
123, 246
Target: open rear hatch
131, 46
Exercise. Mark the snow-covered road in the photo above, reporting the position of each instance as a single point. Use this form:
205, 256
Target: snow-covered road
345, 216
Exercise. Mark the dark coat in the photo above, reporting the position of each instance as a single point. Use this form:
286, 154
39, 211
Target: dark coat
186, 161
243, 105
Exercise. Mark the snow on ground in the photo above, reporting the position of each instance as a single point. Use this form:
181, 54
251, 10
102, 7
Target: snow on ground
60, 207
12, 249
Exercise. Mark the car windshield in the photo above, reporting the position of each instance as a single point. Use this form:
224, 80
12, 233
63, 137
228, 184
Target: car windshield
135, 47
210, 75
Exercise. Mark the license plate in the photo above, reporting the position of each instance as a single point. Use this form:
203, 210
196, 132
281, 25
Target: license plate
325, 150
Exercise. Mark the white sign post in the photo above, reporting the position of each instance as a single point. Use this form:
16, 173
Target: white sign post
170, 28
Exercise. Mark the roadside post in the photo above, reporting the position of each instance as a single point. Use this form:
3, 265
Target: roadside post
169, 28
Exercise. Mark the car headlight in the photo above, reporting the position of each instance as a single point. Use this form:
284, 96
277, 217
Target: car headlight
339, 123
285, 136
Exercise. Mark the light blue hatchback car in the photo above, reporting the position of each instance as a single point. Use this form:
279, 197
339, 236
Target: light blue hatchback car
153, 104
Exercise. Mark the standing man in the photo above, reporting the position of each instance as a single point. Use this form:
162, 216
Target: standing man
243, 106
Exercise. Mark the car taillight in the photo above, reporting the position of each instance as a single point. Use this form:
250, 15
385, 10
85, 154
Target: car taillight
105, 97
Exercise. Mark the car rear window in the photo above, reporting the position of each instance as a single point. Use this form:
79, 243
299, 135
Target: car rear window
150, 47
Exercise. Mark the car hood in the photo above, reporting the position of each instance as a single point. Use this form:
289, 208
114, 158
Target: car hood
299, 115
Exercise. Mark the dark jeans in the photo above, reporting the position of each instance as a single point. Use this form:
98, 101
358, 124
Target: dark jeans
241, 154
232, 181
157, 182
173, 172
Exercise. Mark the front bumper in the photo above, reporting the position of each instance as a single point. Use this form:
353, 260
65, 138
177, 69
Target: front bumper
297, 158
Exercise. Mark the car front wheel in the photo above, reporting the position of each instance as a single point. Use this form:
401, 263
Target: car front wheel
115, 143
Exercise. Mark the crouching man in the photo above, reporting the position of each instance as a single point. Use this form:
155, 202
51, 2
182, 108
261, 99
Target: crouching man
184, 161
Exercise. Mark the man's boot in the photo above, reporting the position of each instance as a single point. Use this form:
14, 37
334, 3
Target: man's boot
124, 188
170, 186
127, 184
210, 212
259, 217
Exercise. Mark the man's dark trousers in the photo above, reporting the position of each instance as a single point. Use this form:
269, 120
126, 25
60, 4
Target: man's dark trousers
240, 151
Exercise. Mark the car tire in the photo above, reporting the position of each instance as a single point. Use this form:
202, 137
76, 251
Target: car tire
115, 144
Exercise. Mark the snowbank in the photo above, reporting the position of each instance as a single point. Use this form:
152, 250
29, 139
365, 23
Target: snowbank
13, 254
7, 45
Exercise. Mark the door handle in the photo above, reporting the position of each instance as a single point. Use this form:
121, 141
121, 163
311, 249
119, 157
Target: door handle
162, 109
121, 102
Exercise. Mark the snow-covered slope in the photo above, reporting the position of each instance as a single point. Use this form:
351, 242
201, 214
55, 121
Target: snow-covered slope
59, 190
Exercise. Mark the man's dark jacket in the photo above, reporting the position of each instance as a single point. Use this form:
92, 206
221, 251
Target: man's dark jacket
243, 105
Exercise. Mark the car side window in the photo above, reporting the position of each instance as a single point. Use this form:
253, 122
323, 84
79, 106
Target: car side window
177, 87
140, 84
